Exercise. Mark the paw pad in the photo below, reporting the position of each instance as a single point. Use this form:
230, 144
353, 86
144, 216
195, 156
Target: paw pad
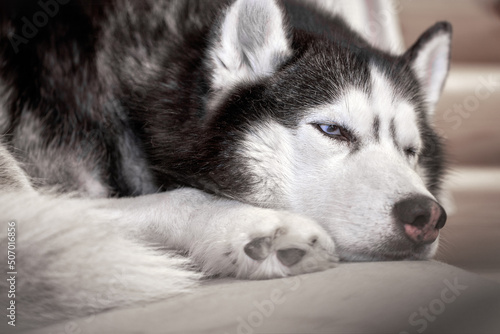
259, 248
290, 256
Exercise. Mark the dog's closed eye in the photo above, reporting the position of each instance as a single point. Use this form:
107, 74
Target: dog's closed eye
411, 152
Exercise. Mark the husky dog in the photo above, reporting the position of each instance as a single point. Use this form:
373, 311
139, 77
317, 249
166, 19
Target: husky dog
148, 143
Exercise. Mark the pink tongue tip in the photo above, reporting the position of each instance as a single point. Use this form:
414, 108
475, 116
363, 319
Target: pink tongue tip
426, 234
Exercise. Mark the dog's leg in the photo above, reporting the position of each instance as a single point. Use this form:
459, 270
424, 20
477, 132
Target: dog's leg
226, 237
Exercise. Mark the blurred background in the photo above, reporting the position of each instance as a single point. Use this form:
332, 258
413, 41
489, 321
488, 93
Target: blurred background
468, 116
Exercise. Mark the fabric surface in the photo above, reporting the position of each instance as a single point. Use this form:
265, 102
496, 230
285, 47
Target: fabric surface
384, 297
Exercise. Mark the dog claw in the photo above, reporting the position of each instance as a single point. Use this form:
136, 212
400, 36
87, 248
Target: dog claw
259, 248
290, 256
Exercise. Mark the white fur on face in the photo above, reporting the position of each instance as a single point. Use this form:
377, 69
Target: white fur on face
274, 172
351, 193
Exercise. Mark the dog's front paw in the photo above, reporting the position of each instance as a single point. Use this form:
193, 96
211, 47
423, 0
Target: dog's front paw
260, 243
286, 244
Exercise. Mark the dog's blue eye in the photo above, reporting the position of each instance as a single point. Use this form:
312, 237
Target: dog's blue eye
330, 129
335, 131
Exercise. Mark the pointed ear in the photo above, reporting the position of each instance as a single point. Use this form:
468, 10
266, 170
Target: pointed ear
251, 43
430, 60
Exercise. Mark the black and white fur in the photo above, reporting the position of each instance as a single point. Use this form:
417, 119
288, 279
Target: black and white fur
138, 132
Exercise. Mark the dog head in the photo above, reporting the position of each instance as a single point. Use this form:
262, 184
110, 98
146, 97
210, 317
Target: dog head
332, 128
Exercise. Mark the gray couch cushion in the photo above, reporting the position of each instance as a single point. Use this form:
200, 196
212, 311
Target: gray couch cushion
389, 297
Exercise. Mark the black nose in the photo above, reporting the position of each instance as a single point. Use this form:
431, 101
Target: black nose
421, 216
